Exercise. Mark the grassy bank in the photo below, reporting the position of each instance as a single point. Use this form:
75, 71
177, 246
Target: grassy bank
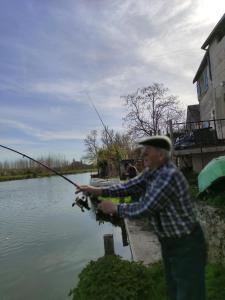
42, 174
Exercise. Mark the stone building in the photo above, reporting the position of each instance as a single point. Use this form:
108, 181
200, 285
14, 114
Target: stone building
203, 134
210, 77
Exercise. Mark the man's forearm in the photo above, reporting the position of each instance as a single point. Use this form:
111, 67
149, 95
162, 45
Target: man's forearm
90, 189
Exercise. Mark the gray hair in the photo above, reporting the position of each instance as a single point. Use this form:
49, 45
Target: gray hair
165, 153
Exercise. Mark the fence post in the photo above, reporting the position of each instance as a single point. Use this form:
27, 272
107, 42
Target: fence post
109, 244
171, 130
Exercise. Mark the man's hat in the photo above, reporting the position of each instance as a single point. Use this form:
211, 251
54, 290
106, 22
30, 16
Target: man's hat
158, 141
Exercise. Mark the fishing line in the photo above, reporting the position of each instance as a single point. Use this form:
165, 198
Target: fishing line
118, 157
43, 165
103, 124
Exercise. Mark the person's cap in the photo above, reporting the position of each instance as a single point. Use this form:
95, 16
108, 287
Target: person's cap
157, 141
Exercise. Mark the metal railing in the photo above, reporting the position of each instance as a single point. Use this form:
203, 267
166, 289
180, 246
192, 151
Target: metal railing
198, 134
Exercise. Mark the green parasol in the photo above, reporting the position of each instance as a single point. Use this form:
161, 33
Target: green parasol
211, 173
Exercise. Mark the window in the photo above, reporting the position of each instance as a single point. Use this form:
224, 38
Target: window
202, 84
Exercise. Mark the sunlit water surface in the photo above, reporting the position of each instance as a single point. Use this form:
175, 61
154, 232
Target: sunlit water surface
44, 242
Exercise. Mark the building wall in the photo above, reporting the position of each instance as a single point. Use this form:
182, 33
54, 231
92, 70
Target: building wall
214, 97
212, 102
217, 59
199, 161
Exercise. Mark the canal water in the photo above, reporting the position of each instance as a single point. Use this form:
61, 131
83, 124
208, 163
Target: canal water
44, 241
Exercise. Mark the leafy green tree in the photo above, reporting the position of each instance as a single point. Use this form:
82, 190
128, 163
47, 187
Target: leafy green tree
115, 146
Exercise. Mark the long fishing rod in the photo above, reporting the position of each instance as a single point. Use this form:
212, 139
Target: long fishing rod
103, 124
43, 165
106, 130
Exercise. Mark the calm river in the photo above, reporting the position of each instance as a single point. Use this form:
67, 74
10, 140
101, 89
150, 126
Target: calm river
45, 242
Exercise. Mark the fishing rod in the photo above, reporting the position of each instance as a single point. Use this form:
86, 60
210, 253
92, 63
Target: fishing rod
80, 201
43, 165
118, 157
103, 124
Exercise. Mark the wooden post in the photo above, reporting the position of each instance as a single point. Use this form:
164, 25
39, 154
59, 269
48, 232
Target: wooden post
124, 233
109, 244
171, 130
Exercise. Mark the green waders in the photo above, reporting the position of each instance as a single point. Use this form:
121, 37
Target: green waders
184, 261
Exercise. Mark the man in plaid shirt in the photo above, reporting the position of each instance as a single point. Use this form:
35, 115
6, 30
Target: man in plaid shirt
164, 197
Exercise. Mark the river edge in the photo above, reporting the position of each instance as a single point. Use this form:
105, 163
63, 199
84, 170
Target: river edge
33, 175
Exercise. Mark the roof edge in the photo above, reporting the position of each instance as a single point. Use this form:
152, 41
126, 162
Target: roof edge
209, 38
201, 67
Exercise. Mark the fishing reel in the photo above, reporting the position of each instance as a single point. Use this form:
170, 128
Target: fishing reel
82, 202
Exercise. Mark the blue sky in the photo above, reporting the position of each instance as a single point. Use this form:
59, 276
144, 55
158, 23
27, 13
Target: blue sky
55, 52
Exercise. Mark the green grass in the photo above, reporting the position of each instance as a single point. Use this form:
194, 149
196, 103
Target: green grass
41, 174
15, 177
215, 282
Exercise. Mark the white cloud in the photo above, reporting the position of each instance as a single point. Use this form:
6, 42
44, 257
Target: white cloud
209, 11
61, 135
43, 135
105, 48
16, 141
65, 90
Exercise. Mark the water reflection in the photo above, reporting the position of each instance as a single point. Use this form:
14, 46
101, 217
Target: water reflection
45, 243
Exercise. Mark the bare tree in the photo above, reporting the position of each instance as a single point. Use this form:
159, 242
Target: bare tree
91, 147
107, 136
150, 109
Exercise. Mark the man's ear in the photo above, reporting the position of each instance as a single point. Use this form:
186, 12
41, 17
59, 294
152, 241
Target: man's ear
161, 156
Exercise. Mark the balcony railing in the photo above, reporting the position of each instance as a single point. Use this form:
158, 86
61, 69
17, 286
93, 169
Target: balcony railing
198, 134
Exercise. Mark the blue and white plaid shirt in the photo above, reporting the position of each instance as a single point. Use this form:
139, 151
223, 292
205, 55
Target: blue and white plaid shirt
164, 198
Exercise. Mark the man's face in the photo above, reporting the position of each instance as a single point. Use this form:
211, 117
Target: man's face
151, 156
